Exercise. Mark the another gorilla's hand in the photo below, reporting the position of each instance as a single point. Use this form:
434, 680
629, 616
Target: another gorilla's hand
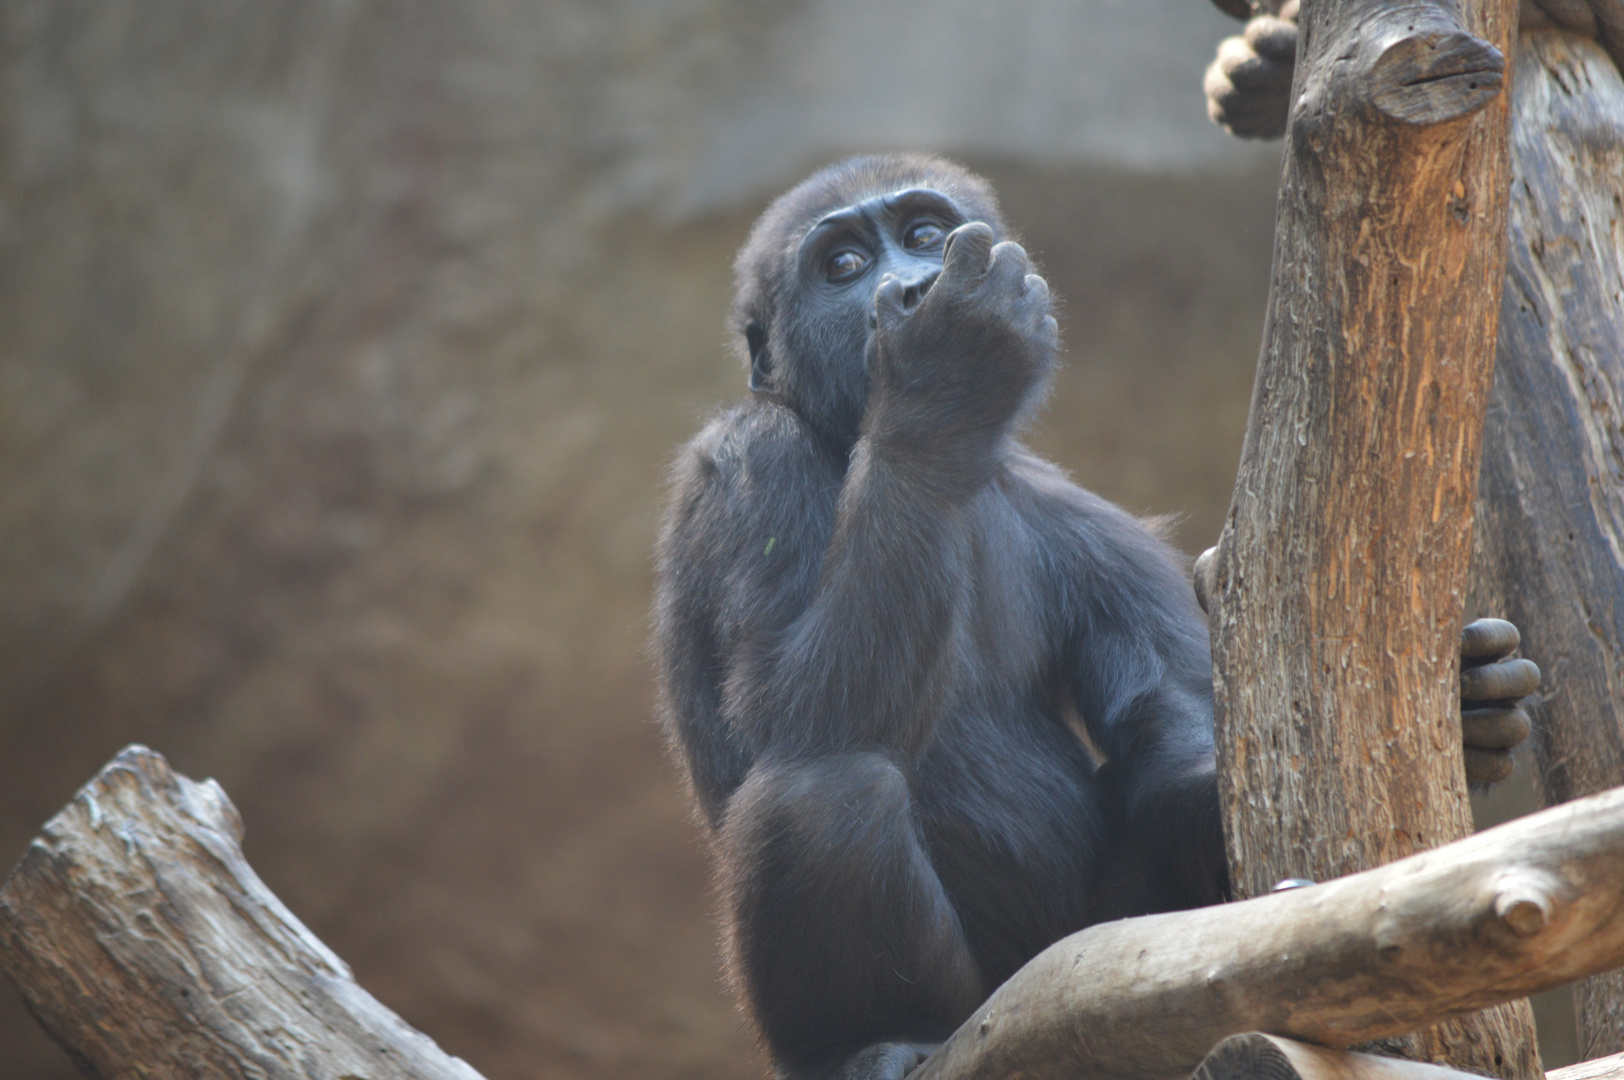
1248, 85
1493, 721
965, 358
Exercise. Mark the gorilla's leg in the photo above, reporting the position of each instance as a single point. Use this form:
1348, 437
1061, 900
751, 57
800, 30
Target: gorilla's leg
839, 932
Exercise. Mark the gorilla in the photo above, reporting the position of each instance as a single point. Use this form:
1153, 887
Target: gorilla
938, 705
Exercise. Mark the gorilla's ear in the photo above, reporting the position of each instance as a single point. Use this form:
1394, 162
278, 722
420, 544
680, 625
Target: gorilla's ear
761, 361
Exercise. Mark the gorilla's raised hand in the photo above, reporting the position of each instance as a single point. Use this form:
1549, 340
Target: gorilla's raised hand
1493, 721
952, 369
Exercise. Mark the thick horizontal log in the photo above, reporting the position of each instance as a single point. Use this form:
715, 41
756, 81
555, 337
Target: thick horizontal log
1530, 905
1610, 1067
1255, 1056
147, 946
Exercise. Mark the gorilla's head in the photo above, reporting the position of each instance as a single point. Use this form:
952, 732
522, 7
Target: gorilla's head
806, 277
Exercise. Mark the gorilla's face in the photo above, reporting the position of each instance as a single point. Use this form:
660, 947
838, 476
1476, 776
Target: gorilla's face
808, 275
845, 255
840, 261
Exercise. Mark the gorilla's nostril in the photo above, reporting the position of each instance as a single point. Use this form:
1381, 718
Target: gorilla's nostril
916, 292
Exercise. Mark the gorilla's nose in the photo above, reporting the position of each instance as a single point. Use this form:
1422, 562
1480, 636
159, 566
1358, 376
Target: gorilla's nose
916, 286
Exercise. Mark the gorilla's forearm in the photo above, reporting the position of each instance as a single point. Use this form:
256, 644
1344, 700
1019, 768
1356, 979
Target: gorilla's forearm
855, 668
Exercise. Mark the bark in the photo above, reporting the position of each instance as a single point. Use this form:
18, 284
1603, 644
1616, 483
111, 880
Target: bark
1338, 584
1527, 906
1551, 495
147, 946
1255, 1056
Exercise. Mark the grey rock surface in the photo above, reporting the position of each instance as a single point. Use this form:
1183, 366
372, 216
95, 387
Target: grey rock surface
342, 345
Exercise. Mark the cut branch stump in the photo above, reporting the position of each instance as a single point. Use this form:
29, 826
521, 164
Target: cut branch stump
147, 946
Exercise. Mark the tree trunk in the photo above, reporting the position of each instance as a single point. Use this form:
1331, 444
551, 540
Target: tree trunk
148, 947
1551, 496
1338, 584
1532, 904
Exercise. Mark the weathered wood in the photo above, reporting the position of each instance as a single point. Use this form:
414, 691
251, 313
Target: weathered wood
147, 946
1610, 1067
1338, 584
1255, 1056
1551, 496
1530, 905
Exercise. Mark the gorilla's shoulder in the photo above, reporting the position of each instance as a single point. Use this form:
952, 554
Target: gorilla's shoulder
1050, 491
746, 442
1108, 537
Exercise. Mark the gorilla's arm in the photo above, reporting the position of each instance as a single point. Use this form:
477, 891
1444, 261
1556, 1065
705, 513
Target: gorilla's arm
752, 500
950, 372
1140, 680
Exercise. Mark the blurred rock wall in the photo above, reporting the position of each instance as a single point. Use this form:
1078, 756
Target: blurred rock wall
342, 345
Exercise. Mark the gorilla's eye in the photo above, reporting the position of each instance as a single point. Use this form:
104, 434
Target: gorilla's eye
921, 235
845, 265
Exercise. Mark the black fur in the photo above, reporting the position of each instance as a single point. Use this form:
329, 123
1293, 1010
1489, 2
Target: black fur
883, 626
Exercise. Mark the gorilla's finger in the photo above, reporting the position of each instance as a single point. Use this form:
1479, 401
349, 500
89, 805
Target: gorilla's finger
1246, 70
887, 1061
1491, 638
1274, 40
1488, 766
1503, 681
1216, 85
1037, 286
968, 250
1251, 116
1008, 267
1494, 729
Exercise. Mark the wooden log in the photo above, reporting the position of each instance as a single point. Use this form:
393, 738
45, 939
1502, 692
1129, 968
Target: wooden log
1530, 905
1610, 1067
1338, 584
1255, 1056
147, 946
1551, 495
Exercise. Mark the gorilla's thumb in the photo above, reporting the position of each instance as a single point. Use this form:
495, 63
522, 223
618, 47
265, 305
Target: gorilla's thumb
968, 250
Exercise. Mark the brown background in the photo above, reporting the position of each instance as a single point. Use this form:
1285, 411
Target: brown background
342, 344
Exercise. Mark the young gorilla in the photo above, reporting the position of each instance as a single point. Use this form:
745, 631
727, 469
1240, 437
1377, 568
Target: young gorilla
882, 625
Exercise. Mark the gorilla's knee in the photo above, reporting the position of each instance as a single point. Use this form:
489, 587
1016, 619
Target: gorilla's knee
836, 919
821, 811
